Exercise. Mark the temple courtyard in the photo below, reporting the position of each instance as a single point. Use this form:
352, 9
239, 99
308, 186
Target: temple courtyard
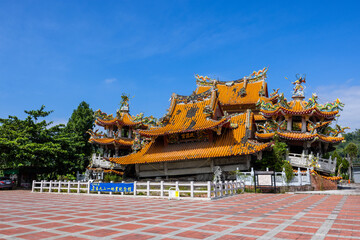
26, 215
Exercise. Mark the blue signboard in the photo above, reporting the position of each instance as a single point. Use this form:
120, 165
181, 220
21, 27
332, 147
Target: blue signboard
112, 187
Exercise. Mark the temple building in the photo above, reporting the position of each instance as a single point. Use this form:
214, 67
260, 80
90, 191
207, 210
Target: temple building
304, 126
117, 140
222, 124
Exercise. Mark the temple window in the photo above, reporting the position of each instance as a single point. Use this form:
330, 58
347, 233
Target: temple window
115, 130
125, 132
296, 123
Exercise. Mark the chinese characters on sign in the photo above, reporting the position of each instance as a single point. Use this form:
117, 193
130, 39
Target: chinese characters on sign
112, 187
264, 180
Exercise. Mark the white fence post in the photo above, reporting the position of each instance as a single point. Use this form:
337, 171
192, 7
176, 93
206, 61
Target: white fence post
88, 187
50, 186
252, 176
226, 188
299, 177
41, 186
209, 189
135, 188
99, 191
308, 176
69, 184
148, 188
59, 187
111, 182
78, 187
283, 177
33, 185
161, 188
221, 188
192, 189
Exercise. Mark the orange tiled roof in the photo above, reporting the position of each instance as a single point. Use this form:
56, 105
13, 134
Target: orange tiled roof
264, 135
297, 107
259, 117
230, 94
229, 143
124, 120
331, 139
106, 141
186, 118
272, 99
299, 136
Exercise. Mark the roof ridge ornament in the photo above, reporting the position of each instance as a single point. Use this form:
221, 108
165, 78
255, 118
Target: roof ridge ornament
253, 77
103, 116
299, 88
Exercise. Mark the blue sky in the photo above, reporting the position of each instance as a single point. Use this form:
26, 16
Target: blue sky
59, 53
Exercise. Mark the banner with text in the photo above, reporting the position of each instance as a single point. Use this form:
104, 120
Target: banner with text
112, 187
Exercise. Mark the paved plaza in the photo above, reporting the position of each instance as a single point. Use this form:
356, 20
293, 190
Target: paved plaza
26, 215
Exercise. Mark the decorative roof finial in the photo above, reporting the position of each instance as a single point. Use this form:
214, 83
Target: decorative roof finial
298, 88
124, 103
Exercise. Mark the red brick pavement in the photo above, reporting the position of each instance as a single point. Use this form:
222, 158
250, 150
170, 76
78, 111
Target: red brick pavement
26, 215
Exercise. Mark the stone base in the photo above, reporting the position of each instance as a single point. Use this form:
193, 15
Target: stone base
319, 183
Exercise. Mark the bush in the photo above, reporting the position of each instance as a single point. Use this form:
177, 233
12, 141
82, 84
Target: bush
107, 178
288, 171
112, 177
67, 177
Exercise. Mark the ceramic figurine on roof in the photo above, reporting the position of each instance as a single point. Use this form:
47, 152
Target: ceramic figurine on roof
299, 88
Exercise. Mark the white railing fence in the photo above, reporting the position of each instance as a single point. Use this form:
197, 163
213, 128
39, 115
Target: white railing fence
101, 162
200, 190
305, 160
300, 178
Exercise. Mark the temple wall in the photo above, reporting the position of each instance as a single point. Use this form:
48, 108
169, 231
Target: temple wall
192, 167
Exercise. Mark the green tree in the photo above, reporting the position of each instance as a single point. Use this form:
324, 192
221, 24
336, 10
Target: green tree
352, 137
352, 150
273, 159
29, 143
342, 164
77, 138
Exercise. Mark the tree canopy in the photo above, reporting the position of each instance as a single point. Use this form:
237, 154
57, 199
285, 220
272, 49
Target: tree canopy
37, 144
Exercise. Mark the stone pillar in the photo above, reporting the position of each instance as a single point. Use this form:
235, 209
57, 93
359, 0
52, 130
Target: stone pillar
303, 124
166, 170
289, 123
248, 160
137, 169
116, 151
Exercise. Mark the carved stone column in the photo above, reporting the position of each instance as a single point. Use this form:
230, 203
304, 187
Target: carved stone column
303, 124
289, 123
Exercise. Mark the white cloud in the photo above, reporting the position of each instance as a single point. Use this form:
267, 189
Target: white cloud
110, 80
350, 96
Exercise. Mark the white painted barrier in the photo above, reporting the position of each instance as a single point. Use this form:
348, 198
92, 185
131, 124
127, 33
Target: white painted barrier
199, 190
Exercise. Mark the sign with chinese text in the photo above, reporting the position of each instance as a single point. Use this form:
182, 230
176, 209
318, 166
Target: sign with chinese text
264, 180
112, 187
187, 136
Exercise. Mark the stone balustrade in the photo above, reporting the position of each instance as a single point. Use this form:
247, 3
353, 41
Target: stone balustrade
305, 161
98, 161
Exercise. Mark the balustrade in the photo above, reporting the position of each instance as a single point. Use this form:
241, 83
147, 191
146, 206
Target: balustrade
305, 161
